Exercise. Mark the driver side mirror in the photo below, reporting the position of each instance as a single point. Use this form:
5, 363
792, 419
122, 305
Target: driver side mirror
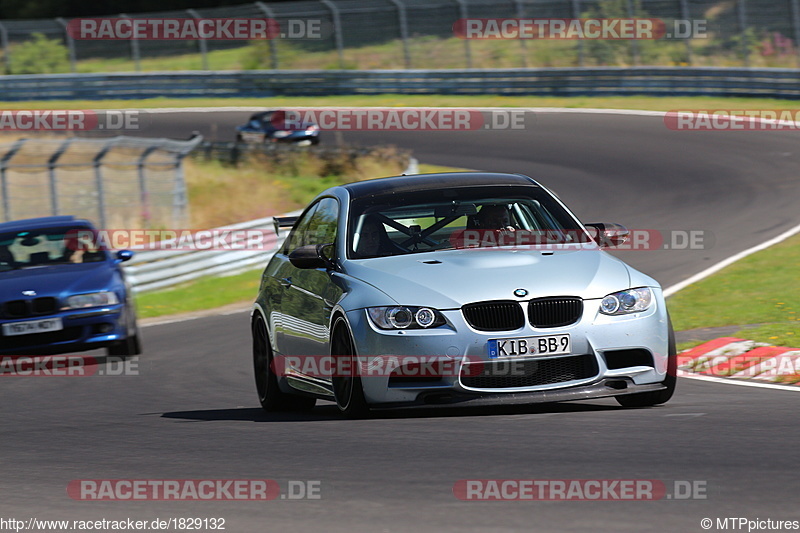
313, 256
124, 255
608, 234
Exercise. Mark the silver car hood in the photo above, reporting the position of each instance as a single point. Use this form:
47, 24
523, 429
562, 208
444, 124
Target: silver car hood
451, 278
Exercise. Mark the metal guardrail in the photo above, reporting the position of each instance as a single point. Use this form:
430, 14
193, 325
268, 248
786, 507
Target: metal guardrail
160, 269
601, 81
166, 268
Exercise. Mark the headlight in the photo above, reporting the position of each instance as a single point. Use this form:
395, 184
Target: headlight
279, 134
625, 302
405, 317
92, 299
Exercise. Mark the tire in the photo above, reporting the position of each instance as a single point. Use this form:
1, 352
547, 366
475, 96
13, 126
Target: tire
648, 399
270, 396
130, 346
347, 390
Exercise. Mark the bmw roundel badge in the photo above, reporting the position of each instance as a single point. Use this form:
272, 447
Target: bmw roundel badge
520, 293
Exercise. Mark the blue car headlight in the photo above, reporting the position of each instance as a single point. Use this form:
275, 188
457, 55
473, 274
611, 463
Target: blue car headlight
91, 299
626, 302
405, 317
279, 134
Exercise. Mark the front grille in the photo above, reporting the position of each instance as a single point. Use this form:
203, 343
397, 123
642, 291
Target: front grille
18, 342
554, 312
24, 308
527, 373
494, 316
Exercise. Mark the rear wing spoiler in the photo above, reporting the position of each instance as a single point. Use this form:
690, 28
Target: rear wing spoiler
283, 222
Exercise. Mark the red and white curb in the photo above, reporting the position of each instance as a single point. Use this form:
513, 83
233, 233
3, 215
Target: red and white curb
739, 359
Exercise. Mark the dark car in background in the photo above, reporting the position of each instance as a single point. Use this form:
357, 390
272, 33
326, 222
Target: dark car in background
273, 126
60, 292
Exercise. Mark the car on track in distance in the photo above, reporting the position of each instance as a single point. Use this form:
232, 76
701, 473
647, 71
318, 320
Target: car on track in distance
456, 288
60, 292
274, 127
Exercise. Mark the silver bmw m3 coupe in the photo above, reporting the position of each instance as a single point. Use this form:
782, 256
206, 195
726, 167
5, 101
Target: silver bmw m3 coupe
473, 288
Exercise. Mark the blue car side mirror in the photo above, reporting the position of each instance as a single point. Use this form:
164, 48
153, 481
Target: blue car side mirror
124, 255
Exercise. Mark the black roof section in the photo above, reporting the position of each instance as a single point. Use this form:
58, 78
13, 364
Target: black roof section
423, 182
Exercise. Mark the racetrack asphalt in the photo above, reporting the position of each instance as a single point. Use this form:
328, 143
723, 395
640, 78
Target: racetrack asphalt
192, 413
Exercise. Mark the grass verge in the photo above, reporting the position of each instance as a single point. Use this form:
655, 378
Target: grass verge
759, 289
213, 292
648, 103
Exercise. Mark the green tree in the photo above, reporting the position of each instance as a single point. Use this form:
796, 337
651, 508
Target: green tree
39, 56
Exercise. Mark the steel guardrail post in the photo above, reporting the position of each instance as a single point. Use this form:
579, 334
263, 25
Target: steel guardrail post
462, 8
98, 179
70, 45
144, 195
201, 42
135, 53
6, 49
273, 49
4, 179
51, 174
402, 19
337, 30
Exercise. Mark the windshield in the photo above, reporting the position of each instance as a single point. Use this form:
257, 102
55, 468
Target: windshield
477, 217
52, 246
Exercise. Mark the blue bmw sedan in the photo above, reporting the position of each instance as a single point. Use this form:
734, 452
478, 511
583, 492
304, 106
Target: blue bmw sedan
59, 293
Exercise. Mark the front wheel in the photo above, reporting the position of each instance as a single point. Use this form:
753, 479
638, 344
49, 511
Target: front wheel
271, 397
347, 390
648, 399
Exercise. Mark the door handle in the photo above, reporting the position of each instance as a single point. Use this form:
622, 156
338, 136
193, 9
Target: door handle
286, 282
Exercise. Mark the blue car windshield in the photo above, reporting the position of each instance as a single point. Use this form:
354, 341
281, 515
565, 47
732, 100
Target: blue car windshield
52, 246
476, 217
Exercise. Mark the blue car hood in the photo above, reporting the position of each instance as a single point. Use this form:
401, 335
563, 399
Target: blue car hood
452, 278
56, 280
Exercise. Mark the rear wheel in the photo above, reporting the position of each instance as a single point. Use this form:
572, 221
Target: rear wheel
347, 390
271, 397
647, 399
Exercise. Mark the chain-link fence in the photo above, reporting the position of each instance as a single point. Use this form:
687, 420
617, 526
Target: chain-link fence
116, 182
396, 34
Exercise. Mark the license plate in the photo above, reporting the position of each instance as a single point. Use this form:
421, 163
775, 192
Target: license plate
32, 326
544, 345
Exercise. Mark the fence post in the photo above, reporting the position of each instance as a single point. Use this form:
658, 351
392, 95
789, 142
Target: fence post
403, 20
462, 8
144, 195
98, 180
4, 179
634, 44
200, 41
337, 29
522, 42
685, 15
6, 51
576, 13
796, 27
273, 49
70, 44
743, 29
51, 173
135, 55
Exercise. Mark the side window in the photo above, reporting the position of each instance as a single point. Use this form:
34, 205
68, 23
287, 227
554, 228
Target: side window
322, 227
318, 226
297, 236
